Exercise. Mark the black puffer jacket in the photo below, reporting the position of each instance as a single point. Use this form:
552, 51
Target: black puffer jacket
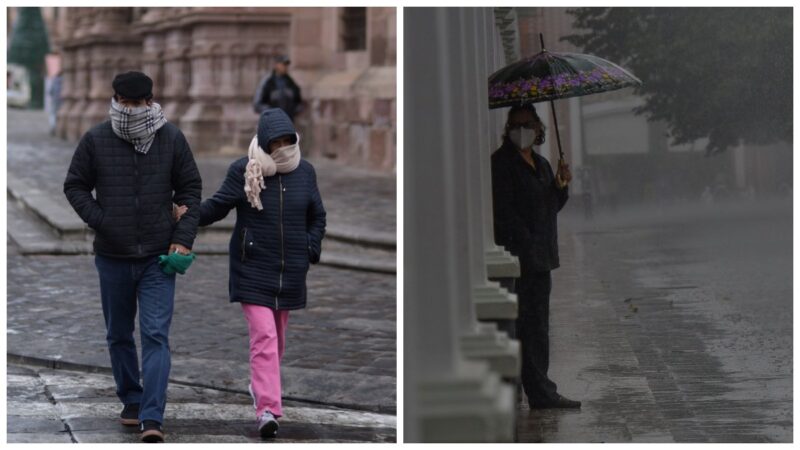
132, 214
526, 203
271, 249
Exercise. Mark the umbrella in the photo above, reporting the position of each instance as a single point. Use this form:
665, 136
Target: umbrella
547, 76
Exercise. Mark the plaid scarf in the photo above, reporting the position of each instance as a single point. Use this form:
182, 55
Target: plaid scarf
137, 125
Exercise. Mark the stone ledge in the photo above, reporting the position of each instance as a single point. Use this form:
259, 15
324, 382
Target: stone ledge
66, 222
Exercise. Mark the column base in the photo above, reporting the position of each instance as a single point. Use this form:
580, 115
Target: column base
500, 263
489, 344
473, 405
492, 302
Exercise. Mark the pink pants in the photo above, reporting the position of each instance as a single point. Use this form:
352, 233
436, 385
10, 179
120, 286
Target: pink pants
267, 340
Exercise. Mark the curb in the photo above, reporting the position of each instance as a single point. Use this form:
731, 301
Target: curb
67, 223
75, 235
80, 367
328, 259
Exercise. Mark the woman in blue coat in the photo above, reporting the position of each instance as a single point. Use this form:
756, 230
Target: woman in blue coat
280, 223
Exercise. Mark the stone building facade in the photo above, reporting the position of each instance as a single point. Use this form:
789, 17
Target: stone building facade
206, 63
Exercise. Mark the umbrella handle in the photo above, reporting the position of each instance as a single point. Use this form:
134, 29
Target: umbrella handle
558, 135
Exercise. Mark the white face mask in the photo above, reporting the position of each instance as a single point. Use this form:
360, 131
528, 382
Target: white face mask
522, 137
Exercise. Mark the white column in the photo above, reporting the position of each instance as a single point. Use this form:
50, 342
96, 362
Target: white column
453, 399
499, 263
481, 340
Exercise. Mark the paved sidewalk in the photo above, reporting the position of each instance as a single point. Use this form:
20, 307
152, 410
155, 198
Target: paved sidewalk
341, 349
61, 406
673, 328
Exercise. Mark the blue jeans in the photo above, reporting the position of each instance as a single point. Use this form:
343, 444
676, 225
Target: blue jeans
122, 282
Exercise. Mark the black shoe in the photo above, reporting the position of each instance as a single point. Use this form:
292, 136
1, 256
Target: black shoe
151, 431
130, 414
559, 402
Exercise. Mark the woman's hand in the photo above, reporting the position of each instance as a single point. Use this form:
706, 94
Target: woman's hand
564, 176
178, 211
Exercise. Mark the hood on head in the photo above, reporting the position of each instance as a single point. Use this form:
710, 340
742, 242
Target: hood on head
273, 123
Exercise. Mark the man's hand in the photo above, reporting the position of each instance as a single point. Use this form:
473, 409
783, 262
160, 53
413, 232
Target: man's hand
179, 248
178, 211
564, 176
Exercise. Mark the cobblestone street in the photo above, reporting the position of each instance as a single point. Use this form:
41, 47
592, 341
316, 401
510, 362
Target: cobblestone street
61, 406
340, 350
673, 327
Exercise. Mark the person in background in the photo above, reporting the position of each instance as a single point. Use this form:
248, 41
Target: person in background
138, 164
54, 100
278, 90
527, 198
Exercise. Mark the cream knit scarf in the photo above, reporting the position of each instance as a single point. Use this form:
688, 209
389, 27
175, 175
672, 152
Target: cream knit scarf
261, 164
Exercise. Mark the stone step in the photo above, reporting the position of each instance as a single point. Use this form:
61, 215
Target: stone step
43, 224
58, 234
57, 213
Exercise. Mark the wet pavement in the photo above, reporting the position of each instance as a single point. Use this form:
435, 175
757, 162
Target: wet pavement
672, 326
341, 349
61, 406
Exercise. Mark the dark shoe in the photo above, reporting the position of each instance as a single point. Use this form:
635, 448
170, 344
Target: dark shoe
151, 431
267, 425
130, 415
559, 402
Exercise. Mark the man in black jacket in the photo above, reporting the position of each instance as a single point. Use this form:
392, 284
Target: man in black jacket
278, 90
138, 164
527, 198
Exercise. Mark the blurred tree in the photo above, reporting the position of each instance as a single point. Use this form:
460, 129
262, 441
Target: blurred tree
721, 73
28, 47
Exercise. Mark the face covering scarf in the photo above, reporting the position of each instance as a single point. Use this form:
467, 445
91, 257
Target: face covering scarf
137, 125
261, 164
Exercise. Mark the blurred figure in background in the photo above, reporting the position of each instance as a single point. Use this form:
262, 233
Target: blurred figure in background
52, 86
278, 90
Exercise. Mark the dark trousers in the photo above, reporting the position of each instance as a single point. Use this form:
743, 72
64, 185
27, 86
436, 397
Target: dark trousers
122, 283
532, 329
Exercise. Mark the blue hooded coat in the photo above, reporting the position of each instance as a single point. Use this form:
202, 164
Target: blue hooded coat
271, 249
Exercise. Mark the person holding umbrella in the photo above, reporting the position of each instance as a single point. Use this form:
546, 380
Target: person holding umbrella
527, 196
527, 199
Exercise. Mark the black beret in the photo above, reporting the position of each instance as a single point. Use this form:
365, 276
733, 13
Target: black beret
133, 85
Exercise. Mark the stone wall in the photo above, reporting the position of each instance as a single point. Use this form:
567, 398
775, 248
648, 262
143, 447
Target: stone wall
207, 62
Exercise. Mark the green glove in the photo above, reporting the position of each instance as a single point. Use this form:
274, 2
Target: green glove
175, 262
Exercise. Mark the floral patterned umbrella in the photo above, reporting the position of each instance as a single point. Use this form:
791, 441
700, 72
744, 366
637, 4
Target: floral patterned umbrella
548, 76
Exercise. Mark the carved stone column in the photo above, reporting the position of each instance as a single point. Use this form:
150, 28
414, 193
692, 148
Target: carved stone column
226, 44
80, 93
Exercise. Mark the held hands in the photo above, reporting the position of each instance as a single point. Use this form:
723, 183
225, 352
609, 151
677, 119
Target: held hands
178, 211
563, 176
178, 248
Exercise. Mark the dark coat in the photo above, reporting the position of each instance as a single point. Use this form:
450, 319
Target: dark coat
271, 249
526, 203
264, 100
132, 214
